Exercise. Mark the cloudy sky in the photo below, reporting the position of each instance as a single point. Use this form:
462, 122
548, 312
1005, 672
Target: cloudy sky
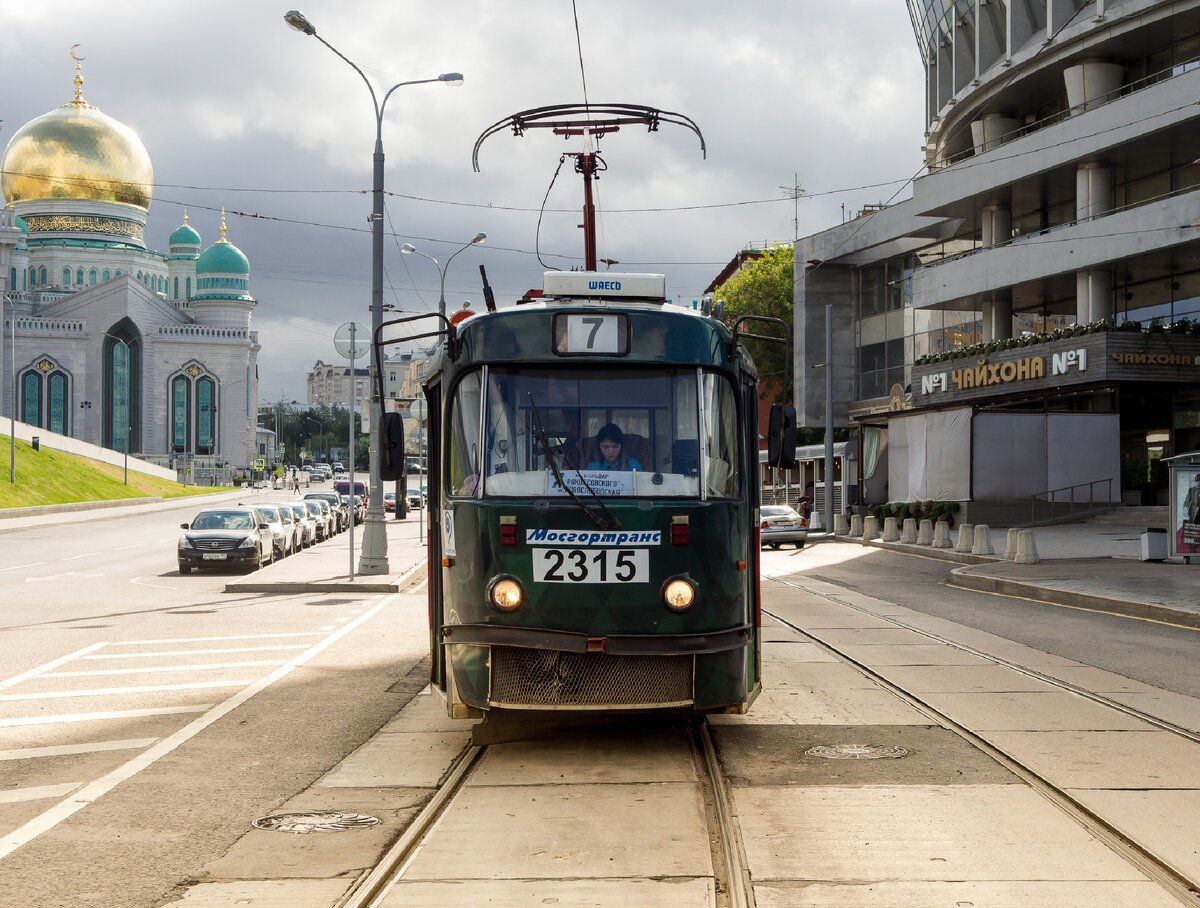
239, 111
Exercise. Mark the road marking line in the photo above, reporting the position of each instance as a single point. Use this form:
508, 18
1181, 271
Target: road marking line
194, 652
136, 545
15, 567
340, 620
93, 673
50, 818
211, 639
84, 555
63, 750
327, 627
90, 717
61, 660
17, 795
115, 691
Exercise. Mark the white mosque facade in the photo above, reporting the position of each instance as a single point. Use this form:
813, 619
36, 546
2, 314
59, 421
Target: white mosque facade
117, 344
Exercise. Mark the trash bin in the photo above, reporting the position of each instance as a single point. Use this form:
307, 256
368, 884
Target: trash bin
1154, 544
37, 443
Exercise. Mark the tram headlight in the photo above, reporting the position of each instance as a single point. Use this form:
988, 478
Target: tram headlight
506, 594
678, 594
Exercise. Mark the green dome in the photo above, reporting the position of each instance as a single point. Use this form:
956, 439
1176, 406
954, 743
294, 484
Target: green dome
223, 257
184, 235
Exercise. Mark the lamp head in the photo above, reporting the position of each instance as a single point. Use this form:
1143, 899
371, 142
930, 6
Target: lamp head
297, 20
448, 78
408, 248
479, 238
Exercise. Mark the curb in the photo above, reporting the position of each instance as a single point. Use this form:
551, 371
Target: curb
390, 584
38, 510
962, 579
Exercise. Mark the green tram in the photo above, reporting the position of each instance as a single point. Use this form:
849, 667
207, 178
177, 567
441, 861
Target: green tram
562, 578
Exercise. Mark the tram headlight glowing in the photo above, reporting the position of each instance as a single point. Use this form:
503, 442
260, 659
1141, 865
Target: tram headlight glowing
678, 594
505, 594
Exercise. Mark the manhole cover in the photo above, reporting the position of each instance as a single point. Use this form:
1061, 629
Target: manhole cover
857, 752
315, 821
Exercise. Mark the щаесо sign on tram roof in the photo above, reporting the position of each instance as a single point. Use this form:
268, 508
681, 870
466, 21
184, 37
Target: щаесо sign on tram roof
1087, 359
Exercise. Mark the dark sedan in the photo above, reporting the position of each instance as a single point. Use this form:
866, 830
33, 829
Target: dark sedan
225, 537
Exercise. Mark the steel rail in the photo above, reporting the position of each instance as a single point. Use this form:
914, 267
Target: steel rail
739, 887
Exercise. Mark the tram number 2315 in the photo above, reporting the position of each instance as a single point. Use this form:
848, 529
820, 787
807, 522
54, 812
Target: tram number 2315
591, 565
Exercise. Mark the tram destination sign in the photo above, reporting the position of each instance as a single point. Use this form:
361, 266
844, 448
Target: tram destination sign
1087, 359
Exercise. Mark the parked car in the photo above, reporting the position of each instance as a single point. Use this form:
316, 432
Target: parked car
308, 528
342, 487
322, 517
225, 537
294, 530
780, 524
336, 505
358, 508
282, 536
389, 501
416, 498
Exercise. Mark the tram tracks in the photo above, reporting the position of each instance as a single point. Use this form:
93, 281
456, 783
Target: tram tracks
1141, 857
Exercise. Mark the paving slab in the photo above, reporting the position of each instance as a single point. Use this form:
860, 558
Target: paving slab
777, 755
909, 654
674, 893
569, 831
1105, 759
1169, 706
577, 756
265, 894
1052, 710
870, 636
403, 759
800, 706
921, 679
913, 832
827, 675
796, 651
1162, 821
425, 713
976, 894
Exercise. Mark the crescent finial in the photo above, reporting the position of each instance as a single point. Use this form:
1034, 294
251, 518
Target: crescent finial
71, 53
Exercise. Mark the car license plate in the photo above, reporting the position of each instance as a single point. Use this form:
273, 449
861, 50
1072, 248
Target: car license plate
592, 565
215, 556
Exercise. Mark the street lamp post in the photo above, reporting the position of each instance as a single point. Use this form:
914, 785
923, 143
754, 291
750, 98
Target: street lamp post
320, 423
374, 549
409, 249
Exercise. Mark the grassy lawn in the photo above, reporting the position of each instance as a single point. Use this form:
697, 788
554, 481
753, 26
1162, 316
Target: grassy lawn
54, 477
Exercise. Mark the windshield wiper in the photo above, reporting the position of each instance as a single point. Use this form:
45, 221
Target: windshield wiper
609, 521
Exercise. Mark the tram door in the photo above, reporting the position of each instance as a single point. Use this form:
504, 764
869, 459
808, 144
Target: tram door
433, 527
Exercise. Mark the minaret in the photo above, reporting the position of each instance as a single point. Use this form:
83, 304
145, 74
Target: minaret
222, 295
181, 263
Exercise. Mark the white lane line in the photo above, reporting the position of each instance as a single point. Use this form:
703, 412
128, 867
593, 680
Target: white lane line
84, 555
116, 643
50, 818
61, 660
340, 620
327, 628
136, 545
92, 717
17, 795
92, 673
116, 691
195, 652
66, 750
15, 567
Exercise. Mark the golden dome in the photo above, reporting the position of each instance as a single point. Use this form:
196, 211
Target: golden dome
77, 152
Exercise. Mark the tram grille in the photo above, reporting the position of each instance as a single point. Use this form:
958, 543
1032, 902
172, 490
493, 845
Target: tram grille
548, 679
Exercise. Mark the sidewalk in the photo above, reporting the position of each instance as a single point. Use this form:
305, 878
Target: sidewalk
1092, 566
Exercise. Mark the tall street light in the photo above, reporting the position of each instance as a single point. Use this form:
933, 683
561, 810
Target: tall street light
409, 249
374, 558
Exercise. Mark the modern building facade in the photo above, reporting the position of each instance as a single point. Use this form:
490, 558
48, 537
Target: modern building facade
329, 385
1061, 198
116, 344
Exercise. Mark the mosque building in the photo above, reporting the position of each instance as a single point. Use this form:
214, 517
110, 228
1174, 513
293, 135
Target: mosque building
117, 344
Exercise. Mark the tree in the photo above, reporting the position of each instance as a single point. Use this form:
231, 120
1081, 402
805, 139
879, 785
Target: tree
764, 286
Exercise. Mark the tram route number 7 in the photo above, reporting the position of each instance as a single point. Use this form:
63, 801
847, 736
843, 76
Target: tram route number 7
590, 565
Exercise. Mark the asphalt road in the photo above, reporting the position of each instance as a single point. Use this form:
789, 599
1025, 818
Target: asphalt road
183, 712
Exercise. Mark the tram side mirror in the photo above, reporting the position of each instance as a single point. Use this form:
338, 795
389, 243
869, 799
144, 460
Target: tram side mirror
391, 447
781, 437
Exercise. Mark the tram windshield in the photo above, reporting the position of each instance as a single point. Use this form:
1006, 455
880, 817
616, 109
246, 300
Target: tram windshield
605, 432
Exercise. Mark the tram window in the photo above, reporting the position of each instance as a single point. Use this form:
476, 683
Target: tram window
720, 438
462, 475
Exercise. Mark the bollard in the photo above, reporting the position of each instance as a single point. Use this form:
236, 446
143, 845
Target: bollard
856, 526
815, 522
1026, 548
840, 526
983, 540
870, 528
966, 538
890, 533
925, 532
1010, 544
941, 535
909, 534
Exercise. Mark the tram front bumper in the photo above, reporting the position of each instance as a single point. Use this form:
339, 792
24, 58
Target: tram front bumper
614, 645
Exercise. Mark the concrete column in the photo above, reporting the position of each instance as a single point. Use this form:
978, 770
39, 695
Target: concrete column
909, 535
1093, 190
997, 319
941, 535
995, 225
1090, 83
856, 525
992, 130
1010, 544
870, 528
890, 532
925, 532
1093, 296
966, 537
841, 526
1026, 548
983, 540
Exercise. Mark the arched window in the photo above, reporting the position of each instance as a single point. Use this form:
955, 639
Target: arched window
12, 278
206, 415
175, 295
180, 413
92, 278
31, 398
189, 288
56, 402
42, 276
122, 387
66, 277
106, 275
79, 276
139, 275
32, 278
119, 272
